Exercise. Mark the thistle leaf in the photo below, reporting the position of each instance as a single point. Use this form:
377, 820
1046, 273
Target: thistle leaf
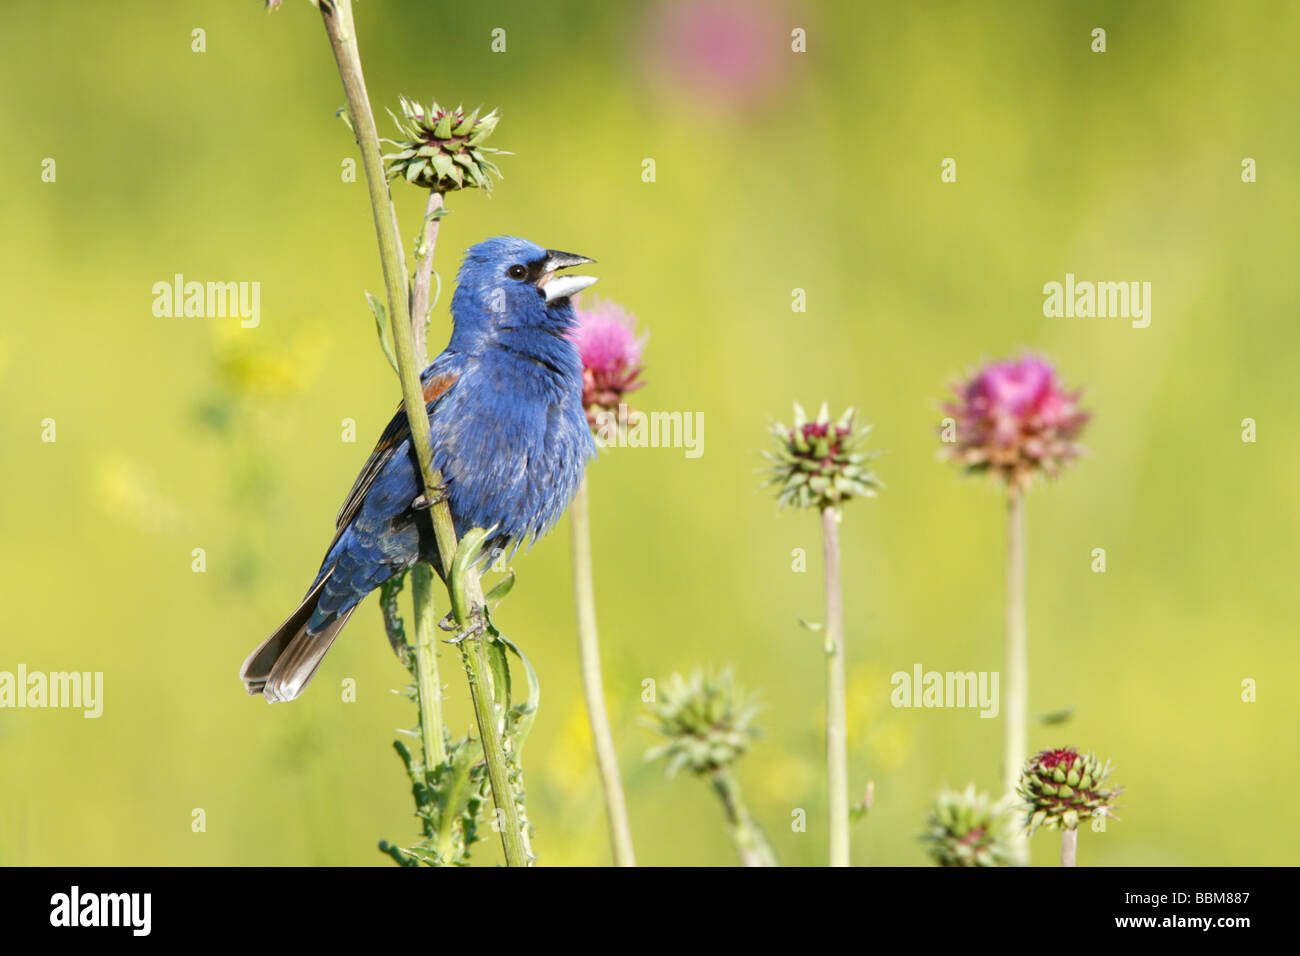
380, 313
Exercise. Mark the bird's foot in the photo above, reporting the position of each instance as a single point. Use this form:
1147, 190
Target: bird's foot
423, 502
478, 623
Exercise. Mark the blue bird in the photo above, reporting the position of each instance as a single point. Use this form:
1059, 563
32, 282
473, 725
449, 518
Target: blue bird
509, 435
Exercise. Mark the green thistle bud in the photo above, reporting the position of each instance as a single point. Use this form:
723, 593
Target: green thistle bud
966, 829
1062, 787
707, 719
819, 464
442, 149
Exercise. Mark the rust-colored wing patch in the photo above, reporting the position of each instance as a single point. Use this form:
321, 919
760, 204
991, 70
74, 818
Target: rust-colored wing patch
436, 387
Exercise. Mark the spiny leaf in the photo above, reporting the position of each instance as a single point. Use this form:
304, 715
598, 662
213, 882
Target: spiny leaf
500, 589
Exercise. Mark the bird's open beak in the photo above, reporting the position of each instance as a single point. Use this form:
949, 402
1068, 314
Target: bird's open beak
561, 287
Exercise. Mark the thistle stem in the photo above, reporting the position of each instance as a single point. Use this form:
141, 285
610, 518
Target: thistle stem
429, 684
1016, 661
837, 755
1069, 846
751, 842
488, 713
424, 278
341, 29
584, 595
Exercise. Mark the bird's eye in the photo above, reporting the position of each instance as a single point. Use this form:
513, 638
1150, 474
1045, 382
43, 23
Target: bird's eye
516, 272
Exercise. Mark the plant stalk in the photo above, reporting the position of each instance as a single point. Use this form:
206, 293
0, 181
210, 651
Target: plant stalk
426, 629
751, 842
1016, 661
584, 595
424, 278
837, 754
1069, 846
490, 720
428, 683
341, 29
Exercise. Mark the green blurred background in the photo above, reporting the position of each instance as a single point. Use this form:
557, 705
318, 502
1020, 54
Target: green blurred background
775, 171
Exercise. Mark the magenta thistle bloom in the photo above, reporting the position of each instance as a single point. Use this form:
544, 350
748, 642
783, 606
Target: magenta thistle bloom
611, 355
1014, 418
731, 53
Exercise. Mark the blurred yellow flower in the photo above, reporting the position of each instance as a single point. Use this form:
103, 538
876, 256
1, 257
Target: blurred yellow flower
783, 778
570, 761
254, 370
129, 491
874, 724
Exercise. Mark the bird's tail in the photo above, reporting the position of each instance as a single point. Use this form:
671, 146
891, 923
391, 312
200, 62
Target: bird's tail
283, 664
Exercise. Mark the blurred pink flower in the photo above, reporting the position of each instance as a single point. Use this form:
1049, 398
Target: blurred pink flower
730, 51
1014, 418
611, 354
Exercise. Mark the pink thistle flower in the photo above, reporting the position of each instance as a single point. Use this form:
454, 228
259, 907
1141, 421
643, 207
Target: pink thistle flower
1051, 759
611, 354
1014, 418
727, 53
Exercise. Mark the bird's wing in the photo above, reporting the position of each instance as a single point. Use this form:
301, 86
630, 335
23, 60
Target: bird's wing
398, 431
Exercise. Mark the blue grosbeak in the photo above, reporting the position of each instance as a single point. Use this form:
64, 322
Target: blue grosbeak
509, 435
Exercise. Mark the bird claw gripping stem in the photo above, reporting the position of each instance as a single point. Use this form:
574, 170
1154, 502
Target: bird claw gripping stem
423, 502
477, 625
